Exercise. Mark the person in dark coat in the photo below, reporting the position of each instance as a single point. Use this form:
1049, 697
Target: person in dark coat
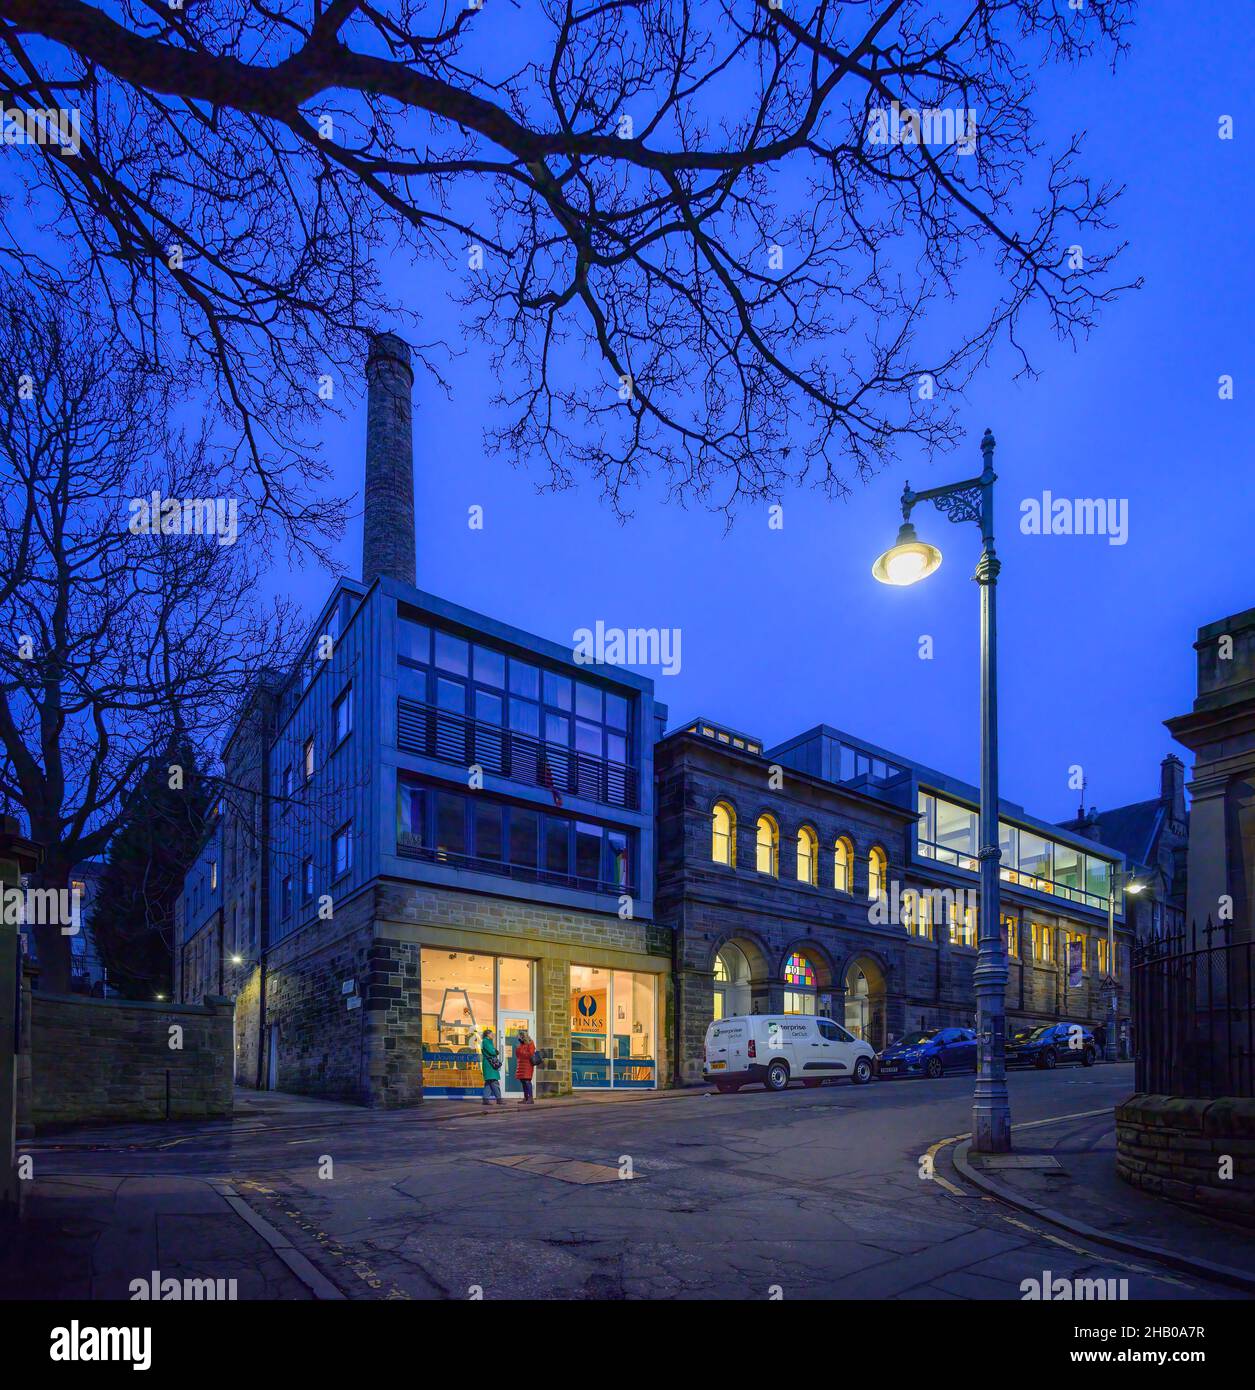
524, 1065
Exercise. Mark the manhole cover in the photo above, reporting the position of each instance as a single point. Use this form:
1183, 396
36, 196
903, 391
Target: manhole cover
563, 1169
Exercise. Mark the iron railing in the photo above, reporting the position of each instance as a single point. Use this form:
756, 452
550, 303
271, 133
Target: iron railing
408, 847
1193, 1014
453, 738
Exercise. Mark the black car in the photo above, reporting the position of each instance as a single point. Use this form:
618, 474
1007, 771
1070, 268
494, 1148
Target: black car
1052, 1045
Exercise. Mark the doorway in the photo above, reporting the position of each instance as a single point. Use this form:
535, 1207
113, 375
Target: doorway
732, 983
513, 1022
865, 1001
272, 1057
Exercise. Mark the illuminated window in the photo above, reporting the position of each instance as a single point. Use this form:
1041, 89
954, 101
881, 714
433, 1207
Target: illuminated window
723, 834
962, 916
924, 916
807, 855
768, 846
799, 979
877, 865
309, 759
1011, 935
799, 971
1103, 968
1043, 944
843, 873
1074, 939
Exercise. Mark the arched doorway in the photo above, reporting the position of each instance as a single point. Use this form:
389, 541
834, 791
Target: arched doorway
732, 982
865, 1001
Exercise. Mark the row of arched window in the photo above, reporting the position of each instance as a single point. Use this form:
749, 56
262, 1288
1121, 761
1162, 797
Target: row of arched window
767, 852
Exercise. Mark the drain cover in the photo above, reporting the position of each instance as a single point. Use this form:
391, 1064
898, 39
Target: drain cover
563, 1169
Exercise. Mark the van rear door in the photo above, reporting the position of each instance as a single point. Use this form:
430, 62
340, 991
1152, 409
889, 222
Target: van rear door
726, 1046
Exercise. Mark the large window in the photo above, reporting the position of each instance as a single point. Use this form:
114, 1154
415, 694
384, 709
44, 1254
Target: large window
492, 837
462, 995
768, 846
613, 1025
1011, 935
843, 866
723, 834
452, 673
807, 855
948, 833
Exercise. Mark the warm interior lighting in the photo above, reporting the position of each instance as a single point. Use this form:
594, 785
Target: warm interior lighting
908, 561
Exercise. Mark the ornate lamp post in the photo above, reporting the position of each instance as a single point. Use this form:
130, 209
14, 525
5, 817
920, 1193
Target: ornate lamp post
908, 561
1111, 1046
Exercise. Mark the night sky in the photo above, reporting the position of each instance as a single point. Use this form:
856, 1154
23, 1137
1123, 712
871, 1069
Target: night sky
784, 629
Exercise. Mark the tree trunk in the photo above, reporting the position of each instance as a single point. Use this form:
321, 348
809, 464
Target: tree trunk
51, 943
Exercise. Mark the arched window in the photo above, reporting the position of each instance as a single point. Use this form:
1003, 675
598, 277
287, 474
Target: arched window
799, 984
723, 834
877, 864
768, 846
732, 982
843, 873
807, 855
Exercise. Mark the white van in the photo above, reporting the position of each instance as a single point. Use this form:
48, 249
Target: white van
778, 1048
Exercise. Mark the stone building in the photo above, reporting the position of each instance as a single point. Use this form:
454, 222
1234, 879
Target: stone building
435, 825
1153, 837
826, 875
1220, 732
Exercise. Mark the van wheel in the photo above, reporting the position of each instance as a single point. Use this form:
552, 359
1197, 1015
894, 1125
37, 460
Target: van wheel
727, 1087
934, 1068
862, 1072
812, 1083
777, 1076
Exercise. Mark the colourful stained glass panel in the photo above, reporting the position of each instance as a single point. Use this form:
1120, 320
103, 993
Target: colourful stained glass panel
799, 971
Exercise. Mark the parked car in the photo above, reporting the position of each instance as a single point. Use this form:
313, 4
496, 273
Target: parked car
775, 1049
1052, 1044
930, 1052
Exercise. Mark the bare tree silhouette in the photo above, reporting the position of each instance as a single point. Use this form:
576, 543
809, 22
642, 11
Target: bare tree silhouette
704, 254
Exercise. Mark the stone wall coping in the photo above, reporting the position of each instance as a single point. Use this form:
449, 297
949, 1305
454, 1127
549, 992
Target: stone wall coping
1222, 1115
214, 1003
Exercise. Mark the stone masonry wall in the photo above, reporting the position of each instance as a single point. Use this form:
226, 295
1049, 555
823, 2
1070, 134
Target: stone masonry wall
103, 1061
1182, 1148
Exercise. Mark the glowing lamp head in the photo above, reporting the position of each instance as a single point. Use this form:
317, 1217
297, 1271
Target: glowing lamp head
1134, 887
237, 960
907, 561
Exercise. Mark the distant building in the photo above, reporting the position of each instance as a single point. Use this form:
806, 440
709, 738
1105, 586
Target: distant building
846, 884
1153, 837
88, 974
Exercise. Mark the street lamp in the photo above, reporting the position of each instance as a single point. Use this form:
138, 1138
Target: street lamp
1110, 1049
906, 562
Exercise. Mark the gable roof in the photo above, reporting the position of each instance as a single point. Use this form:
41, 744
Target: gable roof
1132, 829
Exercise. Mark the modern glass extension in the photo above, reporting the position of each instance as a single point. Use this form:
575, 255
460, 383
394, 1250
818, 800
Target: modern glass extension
948, 833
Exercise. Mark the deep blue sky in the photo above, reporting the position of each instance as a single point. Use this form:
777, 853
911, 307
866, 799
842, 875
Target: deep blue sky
784, 629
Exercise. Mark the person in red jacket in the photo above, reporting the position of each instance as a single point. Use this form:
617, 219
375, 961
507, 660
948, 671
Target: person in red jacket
524, 1065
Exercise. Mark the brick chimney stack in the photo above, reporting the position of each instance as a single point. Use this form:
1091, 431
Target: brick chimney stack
388, 539
1172, 787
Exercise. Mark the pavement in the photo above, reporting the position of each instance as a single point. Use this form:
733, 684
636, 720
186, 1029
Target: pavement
836, 1192
1064, 1172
